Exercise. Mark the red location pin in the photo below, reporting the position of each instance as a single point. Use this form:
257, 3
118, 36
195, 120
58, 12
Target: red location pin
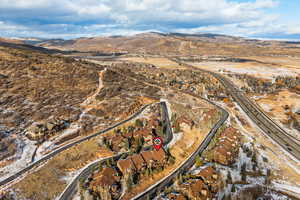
157, 143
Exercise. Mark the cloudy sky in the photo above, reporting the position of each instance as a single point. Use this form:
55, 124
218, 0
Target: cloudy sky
79, 18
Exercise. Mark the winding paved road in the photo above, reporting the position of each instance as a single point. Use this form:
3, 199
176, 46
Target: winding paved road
160, 185
71, 189
55, 152
264, 122
257, 115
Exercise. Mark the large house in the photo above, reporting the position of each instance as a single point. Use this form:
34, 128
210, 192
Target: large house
210, 178
125, 165
227, 146
40, 130
142, 161
139, 163
146, 134
108, 180
196, 189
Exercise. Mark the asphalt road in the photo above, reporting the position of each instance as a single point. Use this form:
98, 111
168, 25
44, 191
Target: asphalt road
55, 152
160, 185
258, 116
264, 122
71, 189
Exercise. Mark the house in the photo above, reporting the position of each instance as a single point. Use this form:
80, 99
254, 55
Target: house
209, 114
117, 143
147, 156
127, 134
107, 179
196, 189
36, 131
230, 133
227, 147
185, 120
176, 196
222, 156
40, 130
146, 133
154, 158
139, 163
152, 123
159, 155
210, 178
125, 165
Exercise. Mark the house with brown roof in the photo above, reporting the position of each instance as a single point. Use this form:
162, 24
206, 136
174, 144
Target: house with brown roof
196, 189
152, 123
147, 156
185, 120
222, 155
154, 158
139, 163
127, 134
231, 133
146, 133
108, 179
210, 177
117, 143
227, 147
209, 114
125, 165
173, 196
159, 155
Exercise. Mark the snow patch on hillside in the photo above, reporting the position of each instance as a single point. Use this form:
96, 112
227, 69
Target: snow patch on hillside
23, 157
176, 137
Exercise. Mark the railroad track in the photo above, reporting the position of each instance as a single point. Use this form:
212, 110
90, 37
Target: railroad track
262, 120
57, 151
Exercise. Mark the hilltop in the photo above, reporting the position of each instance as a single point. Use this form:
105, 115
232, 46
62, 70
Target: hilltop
174, 44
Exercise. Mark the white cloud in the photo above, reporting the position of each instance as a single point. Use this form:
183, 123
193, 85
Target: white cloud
11, 28
93, 17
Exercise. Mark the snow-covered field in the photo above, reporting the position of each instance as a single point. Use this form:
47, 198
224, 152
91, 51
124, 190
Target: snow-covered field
286, 160
22, 158
258, 70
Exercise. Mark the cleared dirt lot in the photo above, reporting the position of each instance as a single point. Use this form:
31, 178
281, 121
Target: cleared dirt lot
159, 62
281, 107
259, 70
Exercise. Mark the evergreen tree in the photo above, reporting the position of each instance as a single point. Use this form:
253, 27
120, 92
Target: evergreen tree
243, 171
130, 129
108, 164
229, 178
233, 189
198, 161
177, 128
180, 179
147, 172
139, 123
130, 182
100, 167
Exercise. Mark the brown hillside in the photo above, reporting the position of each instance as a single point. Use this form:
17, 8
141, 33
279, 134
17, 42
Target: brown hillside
170, 44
